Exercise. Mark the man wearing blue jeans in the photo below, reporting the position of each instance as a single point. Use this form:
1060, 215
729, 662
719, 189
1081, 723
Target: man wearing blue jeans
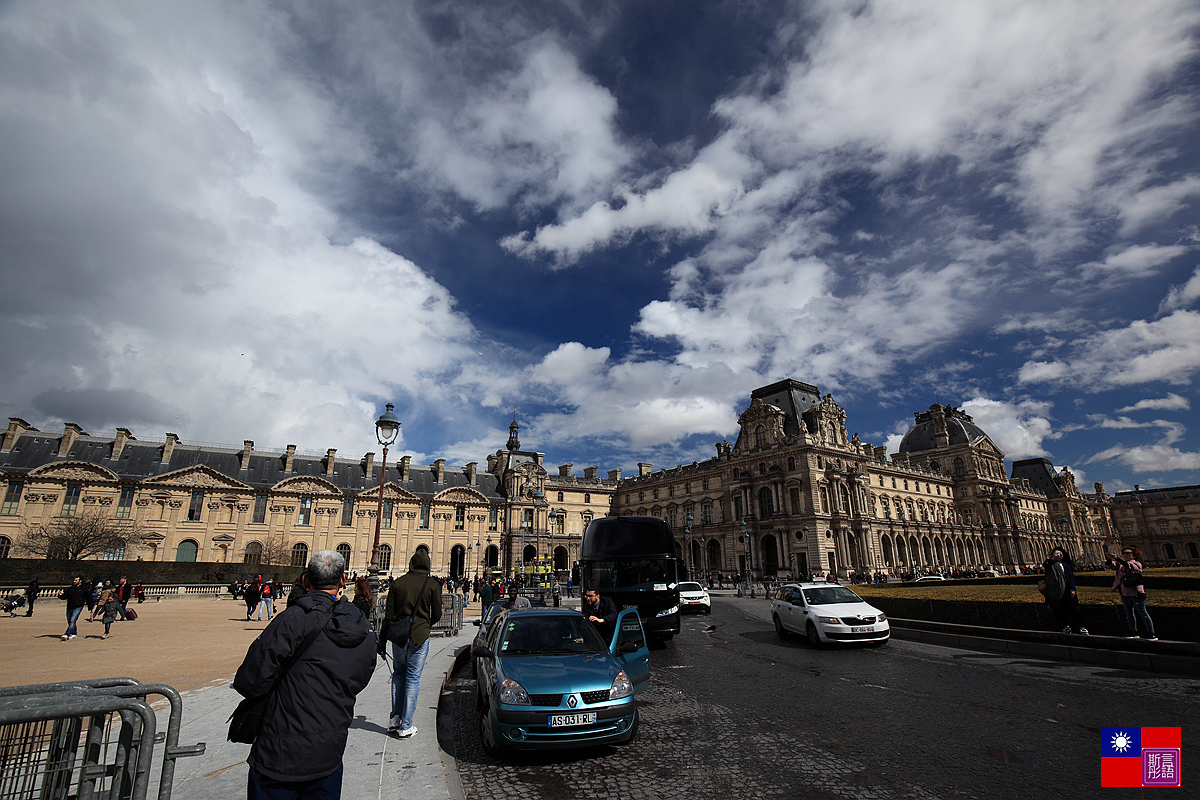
76, 596
415, 594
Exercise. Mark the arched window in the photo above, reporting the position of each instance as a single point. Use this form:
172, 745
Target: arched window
344, 551
300, 555
824, 500
959, 468
887, 508
760, 436
899, 509
253, 554
187, 550
935, 466
385, 557
5, 546
1168, 549
766, 507
529, 553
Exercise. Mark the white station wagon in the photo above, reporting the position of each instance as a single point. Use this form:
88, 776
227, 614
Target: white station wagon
824, 612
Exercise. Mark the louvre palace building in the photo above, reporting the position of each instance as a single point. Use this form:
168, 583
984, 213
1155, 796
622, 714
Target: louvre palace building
795, 493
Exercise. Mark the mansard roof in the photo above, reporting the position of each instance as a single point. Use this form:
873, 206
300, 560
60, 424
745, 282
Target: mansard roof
793, 398
142, 461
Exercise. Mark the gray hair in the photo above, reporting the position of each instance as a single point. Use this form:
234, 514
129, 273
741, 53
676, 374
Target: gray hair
325, 569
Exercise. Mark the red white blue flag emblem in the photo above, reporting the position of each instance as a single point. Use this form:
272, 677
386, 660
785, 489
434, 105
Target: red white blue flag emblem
1140, 756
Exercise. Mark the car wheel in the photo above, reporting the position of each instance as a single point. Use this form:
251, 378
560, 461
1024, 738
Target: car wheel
780, 631
708, 609
814, 638
487, 735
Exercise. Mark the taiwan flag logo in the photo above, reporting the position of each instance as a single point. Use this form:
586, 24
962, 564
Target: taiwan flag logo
1139, 756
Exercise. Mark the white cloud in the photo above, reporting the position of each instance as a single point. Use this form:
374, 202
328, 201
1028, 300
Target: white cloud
1134, 262
1150, 458
1166, 349
1017, 428
1182, 296
1172, 402
1157, 203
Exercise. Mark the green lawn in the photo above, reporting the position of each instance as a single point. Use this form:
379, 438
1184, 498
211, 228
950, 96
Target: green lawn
985, 591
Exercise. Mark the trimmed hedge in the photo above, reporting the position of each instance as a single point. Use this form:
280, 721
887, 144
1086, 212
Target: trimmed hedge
1170, 622
1103, 580
19, 571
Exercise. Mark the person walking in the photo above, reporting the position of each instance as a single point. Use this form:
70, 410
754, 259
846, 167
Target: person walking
251, 597
414, 594
95, 600
298, 751
1060, 591
31, 595
76, 596
265, 601
363, 600
123, 592
1133, 597
110, 608
485, 596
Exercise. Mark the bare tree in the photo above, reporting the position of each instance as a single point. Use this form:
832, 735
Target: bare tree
86, 535
276, 550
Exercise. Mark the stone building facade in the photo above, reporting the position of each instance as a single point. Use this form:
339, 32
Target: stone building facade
796, 493
1161, 522
227, 504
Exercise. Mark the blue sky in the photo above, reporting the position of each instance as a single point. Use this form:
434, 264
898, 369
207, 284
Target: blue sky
264, 220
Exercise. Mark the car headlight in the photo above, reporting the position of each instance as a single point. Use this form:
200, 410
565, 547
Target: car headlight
621, 687
513, 692
829, 620
666, 612
882, 617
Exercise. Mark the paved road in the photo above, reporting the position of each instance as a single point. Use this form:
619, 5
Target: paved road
735, 712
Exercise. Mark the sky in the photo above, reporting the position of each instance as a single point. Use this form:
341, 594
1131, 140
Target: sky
609, 220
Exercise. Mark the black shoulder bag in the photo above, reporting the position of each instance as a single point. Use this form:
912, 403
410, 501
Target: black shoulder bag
246, 720
1131, 578
399, 631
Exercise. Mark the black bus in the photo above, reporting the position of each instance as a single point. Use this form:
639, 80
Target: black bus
633, 561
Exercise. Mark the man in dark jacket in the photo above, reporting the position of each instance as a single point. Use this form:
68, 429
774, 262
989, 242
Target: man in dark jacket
600, 611
76, 596
418, 595
298, 752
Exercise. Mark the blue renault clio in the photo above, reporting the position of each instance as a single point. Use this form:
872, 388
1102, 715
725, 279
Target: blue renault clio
547, 678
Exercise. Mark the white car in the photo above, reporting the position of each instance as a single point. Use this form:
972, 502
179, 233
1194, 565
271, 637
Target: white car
824, 612
929, 578
694, 597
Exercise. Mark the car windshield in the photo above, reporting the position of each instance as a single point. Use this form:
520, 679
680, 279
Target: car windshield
831, 594
549, 635
690, 587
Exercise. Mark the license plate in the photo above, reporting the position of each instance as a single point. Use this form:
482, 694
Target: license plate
867, 629
570, 720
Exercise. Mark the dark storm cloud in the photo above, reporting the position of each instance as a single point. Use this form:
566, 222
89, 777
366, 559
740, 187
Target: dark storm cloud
99, 411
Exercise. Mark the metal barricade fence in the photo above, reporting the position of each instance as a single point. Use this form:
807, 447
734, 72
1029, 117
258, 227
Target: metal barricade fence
86, 739
452, 616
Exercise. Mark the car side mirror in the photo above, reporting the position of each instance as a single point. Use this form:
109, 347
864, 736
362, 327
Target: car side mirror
478, 622
482, 651
628, 647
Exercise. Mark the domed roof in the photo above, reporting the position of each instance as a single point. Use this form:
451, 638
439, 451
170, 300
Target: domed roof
958, 426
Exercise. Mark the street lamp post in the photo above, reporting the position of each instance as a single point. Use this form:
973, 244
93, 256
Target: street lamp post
749, 554
687, 544
387, 428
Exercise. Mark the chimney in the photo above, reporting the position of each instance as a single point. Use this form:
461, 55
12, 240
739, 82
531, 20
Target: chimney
405, 466
123, 437
369, 462
614, 474
491, 464
289, 460
589, 473
564, 470
247, 448
16, 426
439, 471
470, 470
71, 432
643, 469
537, 458
881, 453
169, 447
329, 454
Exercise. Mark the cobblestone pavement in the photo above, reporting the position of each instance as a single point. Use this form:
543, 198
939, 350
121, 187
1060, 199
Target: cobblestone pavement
735, 712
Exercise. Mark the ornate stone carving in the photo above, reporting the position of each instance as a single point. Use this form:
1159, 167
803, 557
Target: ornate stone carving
74, 470
200, 477
307, 485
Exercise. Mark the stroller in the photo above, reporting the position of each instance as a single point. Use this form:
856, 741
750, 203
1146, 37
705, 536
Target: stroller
12, 603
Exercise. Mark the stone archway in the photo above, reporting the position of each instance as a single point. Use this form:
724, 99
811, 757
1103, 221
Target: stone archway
769, 547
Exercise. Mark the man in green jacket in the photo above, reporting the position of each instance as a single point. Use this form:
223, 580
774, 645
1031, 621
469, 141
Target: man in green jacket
485, 596
417, 594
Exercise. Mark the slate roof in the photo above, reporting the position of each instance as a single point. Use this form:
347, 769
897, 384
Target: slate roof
140, 461
960, 427
793, 398
1040, 474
